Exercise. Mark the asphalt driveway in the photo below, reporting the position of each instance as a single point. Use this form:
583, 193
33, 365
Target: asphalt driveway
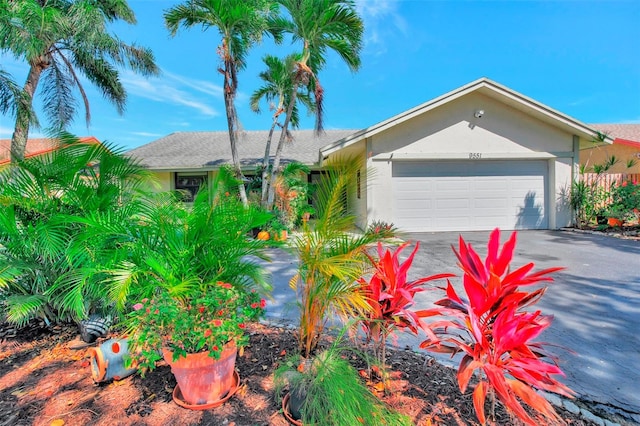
595, 301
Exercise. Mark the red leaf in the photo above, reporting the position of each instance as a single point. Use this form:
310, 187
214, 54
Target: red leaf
479, 395
465, 371
506, 255
534, 400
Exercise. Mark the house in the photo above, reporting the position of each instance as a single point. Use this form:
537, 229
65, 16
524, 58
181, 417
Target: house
625, 147
186, 160
35, 147
479, 157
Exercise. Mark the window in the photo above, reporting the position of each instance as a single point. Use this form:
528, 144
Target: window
189, 184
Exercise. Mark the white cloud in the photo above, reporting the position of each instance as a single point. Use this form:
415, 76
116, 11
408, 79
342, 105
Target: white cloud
377, 14
6, 132
147, 134
170, 89
199, 85
179, 124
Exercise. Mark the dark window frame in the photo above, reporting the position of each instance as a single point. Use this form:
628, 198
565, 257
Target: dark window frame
189, 183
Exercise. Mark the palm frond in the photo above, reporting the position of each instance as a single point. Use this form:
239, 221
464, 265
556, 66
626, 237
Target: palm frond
22, 308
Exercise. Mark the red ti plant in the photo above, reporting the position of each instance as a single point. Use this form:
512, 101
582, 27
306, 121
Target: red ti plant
390, 297
494, 332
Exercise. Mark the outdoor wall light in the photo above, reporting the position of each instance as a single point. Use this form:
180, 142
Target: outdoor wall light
479, 113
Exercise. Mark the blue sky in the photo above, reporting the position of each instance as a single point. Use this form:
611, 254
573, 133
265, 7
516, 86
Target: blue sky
579, 57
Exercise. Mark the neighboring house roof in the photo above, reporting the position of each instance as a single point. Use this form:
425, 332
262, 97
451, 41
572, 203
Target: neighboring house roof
486, 87
37, 146
624, 134
209, 150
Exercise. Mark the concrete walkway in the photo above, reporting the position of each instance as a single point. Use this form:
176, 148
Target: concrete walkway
595, 301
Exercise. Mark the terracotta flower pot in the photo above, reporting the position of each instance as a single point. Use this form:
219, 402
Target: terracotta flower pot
201, 378
286, 410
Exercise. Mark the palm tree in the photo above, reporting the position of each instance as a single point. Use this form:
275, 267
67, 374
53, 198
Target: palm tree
320, 25
278, 79
241, 23
332, 258
11, 95
39, 197
59, 40
167, 245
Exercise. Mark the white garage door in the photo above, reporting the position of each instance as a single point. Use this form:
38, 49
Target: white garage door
469, 195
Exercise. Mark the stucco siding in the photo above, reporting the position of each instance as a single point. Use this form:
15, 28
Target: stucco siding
452, 131
164, 180
624, 153
560, 178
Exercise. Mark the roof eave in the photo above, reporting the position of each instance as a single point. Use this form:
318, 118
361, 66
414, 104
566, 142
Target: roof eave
582, 129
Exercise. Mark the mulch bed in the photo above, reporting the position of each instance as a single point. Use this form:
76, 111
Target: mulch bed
626, 232
44, 382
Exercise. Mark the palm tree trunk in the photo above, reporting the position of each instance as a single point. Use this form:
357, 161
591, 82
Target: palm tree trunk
283, 135
21, 129
265, 163
232, 124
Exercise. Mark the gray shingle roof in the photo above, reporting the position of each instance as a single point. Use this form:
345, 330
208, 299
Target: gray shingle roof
196, 150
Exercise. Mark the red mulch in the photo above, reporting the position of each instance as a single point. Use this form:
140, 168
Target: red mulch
44, 382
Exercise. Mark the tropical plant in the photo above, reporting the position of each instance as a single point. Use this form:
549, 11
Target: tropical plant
331, 393
241, 23
494, 332
382, 228
204, 321
167, 246
331, 258
292, 194
11, 96
39, 197
59, 40
278, 81
626, 195
390, 295
320, 25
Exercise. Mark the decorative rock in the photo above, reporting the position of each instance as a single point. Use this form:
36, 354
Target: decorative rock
552, 398
570, 406
591, 417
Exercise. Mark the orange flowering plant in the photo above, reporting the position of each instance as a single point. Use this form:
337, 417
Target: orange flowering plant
203, 322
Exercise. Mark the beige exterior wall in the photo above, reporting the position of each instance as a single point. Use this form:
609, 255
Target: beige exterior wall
452, 132
600, 154
358, 206
164, 180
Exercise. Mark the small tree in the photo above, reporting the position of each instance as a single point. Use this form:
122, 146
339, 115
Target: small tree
278, 80
241, 24
331, 258
320, 25
59, 40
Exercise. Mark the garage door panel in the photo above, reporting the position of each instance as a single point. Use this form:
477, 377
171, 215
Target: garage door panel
452, 185
451, 205
469, 195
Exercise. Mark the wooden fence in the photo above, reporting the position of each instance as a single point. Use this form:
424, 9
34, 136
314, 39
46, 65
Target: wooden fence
609, 180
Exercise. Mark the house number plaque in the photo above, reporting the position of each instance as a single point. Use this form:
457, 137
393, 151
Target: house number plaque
475, 155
